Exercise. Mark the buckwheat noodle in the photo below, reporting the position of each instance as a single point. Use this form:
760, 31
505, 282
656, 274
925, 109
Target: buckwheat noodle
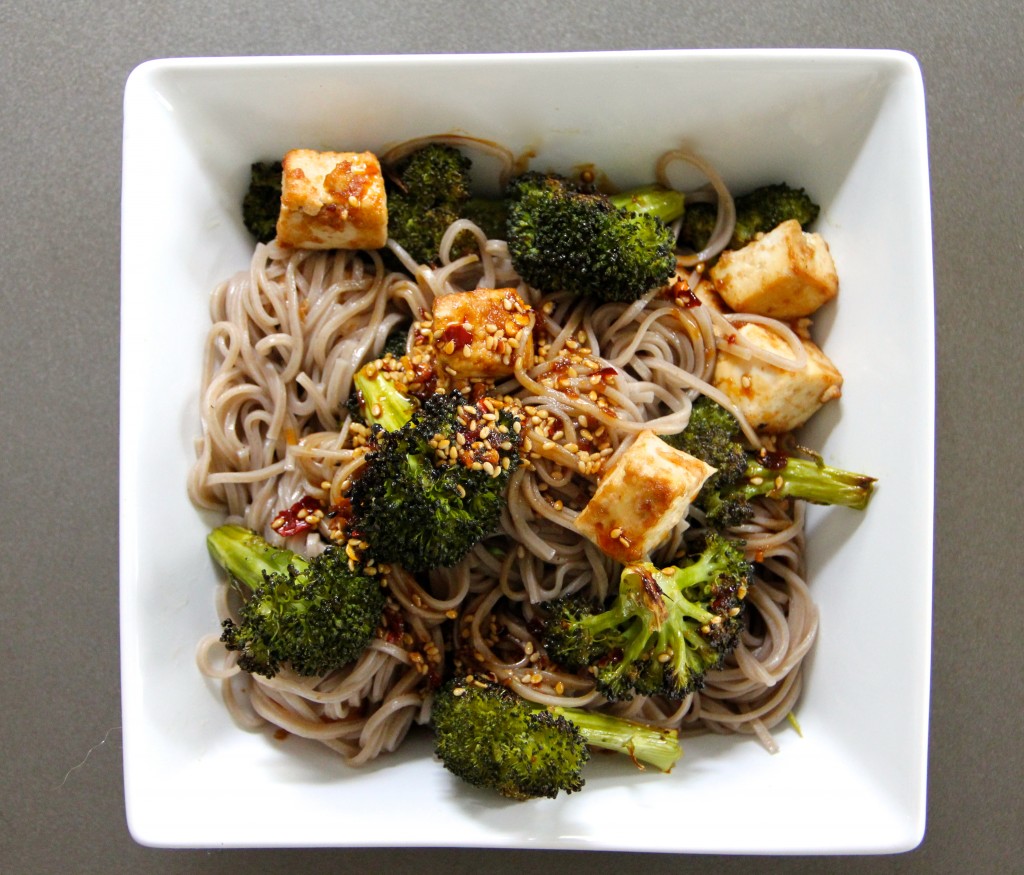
286, 337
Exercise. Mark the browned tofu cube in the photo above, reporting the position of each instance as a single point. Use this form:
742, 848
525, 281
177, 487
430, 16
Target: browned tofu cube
775, 400
483, 333
332, 200
641, 498
786, 274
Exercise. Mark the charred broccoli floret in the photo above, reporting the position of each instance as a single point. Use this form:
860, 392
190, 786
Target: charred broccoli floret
397, 341
315, 615
426, 191
434, 481
665, 629
758, 212
492, 738
713, 435
262, 202
561, 238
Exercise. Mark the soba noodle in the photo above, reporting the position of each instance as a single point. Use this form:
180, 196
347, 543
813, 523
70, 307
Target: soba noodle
286, 338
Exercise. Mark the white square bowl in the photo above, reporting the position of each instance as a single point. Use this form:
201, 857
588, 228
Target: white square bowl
847, 125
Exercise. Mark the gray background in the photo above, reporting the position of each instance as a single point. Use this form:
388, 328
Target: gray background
63, 71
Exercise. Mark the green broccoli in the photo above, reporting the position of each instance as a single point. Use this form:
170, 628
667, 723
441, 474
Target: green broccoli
397, 341
262, 202
434, 481
426, 191
381, 401
757, 212
490, 214
665, 629
561, 238
713, 435
493, 738
315, 615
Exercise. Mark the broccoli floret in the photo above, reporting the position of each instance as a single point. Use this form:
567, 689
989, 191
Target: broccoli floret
713, 435
396, 343
563, 239
434, 481
490, 214
262, 202
758, 212
426, 192
492, 738
665, 629
315, 615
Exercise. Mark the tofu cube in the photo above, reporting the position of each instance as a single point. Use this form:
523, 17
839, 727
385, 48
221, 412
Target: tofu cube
483, 333
786, 274
641, 498
332, 200
775, 400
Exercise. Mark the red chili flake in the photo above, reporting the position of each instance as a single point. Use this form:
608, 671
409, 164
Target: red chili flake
774, 461
288, 522
394, 626
458, 334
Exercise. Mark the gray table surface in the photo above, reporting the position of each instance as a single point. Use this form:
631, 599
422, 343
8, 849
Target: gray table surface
64, 66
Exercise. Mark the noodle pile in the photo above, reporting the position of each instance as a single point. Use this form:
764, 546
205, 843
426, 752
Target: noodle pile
287, 337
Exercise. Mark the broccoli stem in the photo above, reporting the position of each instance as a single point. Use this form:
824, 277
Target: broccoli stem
383, 403
805, 479
643, 744
247, 557
663, 203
